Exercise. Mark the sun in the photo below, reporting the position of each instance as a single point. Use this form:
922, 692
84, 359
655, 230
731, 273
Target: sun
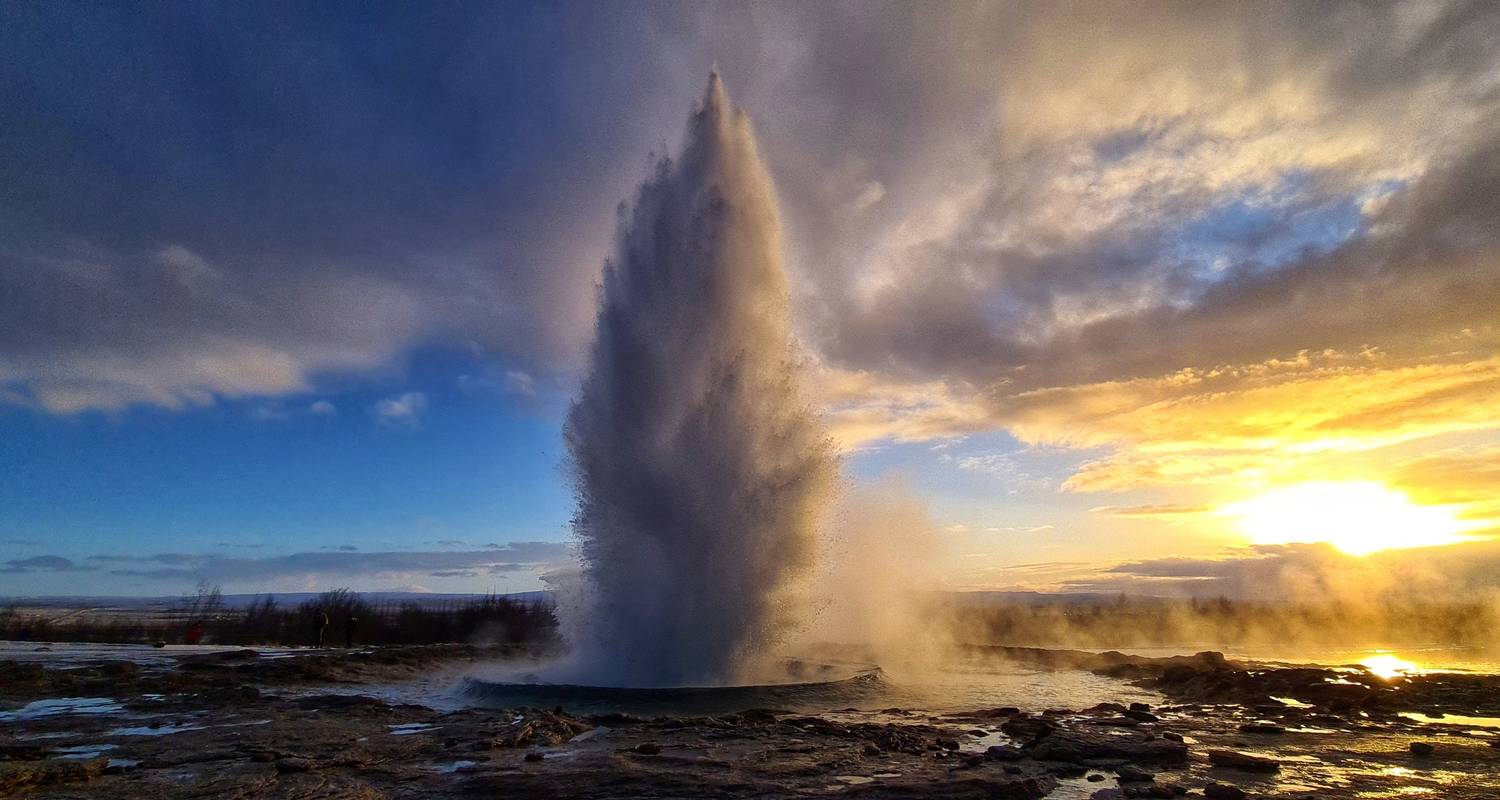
1357, 517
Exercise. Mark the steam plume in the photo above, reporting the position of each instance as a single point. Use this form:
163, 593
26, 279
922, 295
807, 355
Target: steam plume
701, 472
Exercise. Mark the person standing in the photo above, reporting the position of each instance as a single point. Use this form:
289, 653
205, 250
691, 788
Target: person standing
322, 628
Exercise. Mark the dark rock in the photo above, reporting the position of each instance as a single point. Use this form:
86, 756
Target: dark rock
1262, 728
1004, 752
948, 744
1095, 777
1174, 737
648, 748
1064, 769
293, 764
873, 750
1086, 745
1012, 769
1129, 773
534, 755
1243, 761
1142, 716
263, 756
1421, 749
1223, 791
1140, 707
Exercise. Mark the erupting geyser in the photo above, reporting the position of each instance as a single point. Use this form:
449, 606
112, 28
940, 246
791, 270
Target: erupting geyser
701, 471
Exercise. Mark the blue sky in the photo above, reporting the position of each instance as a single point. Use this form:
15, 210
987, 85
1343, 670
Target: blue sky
294, 296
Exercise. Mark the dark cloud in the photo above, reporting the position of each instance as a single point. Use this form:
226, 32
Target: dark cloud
49, 563
514, 557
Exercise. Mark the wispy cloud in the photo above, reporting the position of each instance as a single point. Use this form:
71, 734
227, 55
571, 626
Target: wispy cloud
402, 410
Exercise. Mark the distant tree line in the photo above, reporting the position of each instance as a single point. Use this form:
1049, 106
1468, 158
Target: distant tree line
203, 617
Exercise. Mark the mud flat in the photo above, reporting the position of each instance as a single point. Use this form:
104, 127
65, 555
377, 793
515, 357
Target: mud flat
237, 724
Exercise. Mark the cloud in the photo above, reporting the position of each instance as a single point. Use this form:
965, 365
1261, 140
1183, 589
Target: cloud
1196, 243
1311, 572
322, 408
302, 568
403, 409
49, 563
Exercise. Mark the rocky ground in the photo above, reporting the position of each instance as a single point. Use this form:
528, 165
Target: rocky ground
238, 725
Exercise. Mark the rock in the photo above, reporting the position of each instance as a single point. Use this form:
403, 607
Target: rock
263, 757
948, 744
1223, 791
1004, 752
1173, 737
1067, 770
647, 748
1140, 707
1012, 769
16, 777
1141, 716
1421, 749
1095, 777
1243, 761
1129, 773
293, 764
1082, 746
872, 750
1262, 728
534, 755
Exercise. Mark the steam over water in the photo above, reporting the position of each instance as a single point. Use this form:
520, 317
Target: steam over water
701, 471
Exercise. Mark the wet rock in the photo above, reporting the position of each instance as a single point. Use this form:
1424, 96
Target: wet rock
873, 750
1163, 790
1027, 729
1064, 769
1095, 777
1265, 728
947, 744
1422, 749
1140, 707
1244, 761
1140, 716
1012, 769
533, 756
1173, 737
648, 748
1223, 791
294, 764
1129, 773
1004, 752
1082, 746
17, 777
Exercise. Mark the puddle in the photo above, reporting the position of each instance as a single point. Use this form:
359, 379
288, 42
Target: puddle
170, 728
83, 752
1453, 719
39, 709
409, 728
123, 763
456, 766
589, 734
1291, 702
160, 730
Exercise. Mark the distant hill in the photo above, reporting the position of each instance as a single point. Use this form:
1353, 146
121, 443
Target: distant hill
243, 600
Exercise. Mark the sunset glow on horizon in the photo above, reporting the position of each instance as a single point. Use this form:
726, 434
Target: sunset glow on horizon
1357, 517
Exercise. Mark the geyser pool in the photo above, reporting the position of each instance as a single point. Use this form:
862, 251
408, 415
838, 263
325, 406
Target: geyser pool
701, 472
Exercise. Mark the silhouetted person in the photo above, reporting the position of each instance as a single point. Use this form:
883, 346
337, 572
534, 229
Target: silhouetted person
349, 630
322, 628
194, 633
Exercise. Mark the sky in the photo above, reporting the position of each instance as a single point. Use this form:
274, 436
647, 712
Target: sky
1194, 298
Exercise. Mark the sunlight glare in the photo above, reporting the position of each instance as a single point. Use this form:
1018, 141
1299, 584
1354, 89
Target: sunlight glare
1387, 666
1358, 518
